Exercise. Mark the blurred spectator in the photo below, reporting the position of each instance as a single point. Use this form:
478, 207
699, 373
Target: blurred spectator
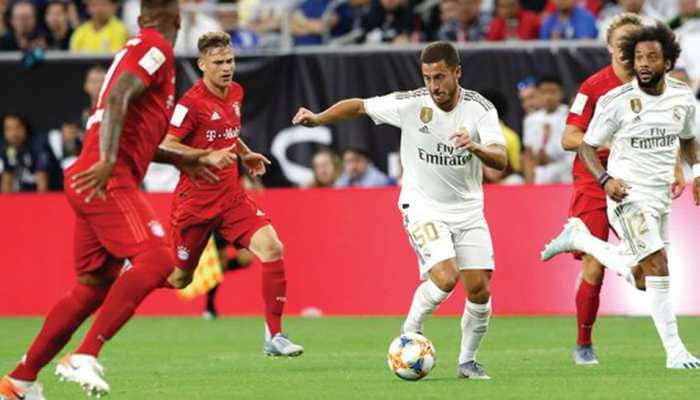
3, 24
23, 33
388, 21
544, 159
528, 95
462, 21
687, 10
568, 21
308, 25
103, 33
326, 167
22, 167
640, 7
666, 8
513, 22
594, 6
511, 175
58, 26
241, 36
265, 17
94, 78
194, 23
65, 144
358, 171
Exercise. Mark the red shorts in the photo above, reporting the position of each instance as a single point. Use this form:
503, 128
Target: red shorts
593, 212
189, 233
108, 231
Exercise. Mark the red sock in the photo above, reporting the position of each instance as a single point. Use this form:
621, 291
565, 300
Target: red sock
587, 301
274, 290
63, 319
149, 271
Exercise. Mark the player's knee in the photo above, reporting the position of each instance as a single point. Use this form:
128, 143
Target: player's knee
479, 294
655, 265
271, 250
444, 279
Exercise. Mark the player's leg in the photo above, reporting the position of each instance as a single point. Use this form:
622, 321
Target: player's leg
96, 271
653, 235
476, 262
588, 289
432, 242
266, 245
127, 227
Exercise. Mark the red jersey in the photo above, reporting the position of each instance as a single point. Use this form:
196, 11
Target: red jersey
204, 120
149, 56
580, 115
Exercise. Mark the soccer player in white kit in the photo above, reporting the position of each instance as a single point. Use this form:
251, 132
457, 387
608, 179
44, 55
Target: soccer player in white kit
447, 133
644, 121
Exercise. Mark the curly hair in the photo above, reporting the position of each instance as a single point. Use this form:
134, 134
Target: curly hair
655, 33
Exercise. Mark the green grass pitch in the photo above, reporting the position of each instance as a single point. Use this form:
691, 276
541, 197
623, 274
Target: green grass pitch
527, 357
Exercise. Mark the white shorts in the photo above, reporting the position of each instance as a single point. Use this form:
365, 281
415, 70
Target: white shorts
642, 226
437, 237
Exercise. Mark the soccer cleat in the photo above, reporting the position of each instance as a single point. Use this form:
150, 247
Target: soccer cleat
585, 355
84, 370
472, 370
210, 315
684, 361
564, 242
280, 345
13, 389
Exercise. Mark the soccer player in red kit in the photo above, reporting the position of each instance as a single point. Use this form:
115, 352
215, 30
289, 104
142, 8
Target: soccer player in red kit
113, 219
588, 199
209, 116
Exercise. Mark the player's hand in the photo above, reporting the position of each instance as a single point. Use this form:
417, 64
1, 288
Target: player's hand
197, 171
306, 118
696, 191
616, 189
678, 186
221, 158
256, 163
94, 178
463, 140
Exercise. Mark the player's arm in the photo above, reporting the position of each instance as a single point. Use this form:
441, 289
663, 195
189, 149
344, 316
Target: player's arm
255, 162
679, 180
344, 109
602, 128
690, 150
491, 149
572, 137
125, 89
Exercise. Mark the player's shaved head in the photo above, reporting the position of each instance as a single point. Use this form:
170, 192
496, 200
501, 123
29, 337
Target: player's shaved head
163, 15
440, 51
150, 5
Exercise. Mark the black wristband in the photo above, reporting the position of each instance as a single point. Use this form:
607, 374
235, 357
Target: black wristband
603, 179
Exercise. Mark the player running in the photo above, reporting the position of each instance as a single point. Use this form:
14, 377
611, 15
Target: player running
209, 116
448, 132
588, 198
114, 221
644, 120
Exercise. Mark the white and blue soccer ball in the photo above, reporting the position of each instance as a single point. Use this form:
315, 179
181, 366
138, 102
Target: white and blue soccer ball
411, 356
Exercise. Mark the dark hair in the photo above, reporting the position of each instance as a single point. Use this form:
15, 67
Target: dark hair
655, 33
22, 120
439, 51
63, 3
550, 79
362, 152
152, 4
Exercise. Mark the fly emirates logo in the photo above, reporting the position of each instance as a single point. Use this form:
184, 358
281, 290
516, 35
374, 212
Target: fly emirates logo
229, 133
445, 155
657, 138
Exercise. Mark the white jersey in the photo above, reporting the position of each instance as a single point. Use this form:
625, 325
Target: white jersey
435, 172
644, 132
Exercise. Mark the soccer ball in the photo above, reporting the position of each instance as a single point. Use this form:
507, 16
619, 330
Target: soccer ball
411, 356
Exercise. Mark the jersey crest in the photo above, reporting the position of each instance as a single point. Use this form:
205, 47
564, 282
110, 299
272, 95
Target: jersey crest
636, 105
426, 114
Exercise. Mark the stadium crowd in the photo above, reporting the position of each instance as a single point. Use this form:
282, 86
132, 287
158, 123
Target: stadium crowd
33, 161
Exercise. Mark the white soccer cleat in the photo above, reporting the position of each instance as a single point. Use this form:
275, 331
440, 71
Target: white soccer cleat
564, 242
280, 345
683, 361
84, 370
13, 389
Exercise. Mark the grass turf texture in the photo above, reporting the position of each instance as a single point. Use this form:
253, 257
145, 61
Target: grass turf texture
527, 357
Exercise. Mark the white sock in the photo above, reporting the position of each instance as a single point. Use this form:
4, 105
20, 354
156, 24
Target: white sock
426, 299
475, 323
610, 256
662, 313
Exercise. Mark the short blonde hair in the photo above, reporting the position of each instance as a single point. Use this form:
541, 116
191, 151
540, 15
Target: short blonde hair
620, 21
213, 40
